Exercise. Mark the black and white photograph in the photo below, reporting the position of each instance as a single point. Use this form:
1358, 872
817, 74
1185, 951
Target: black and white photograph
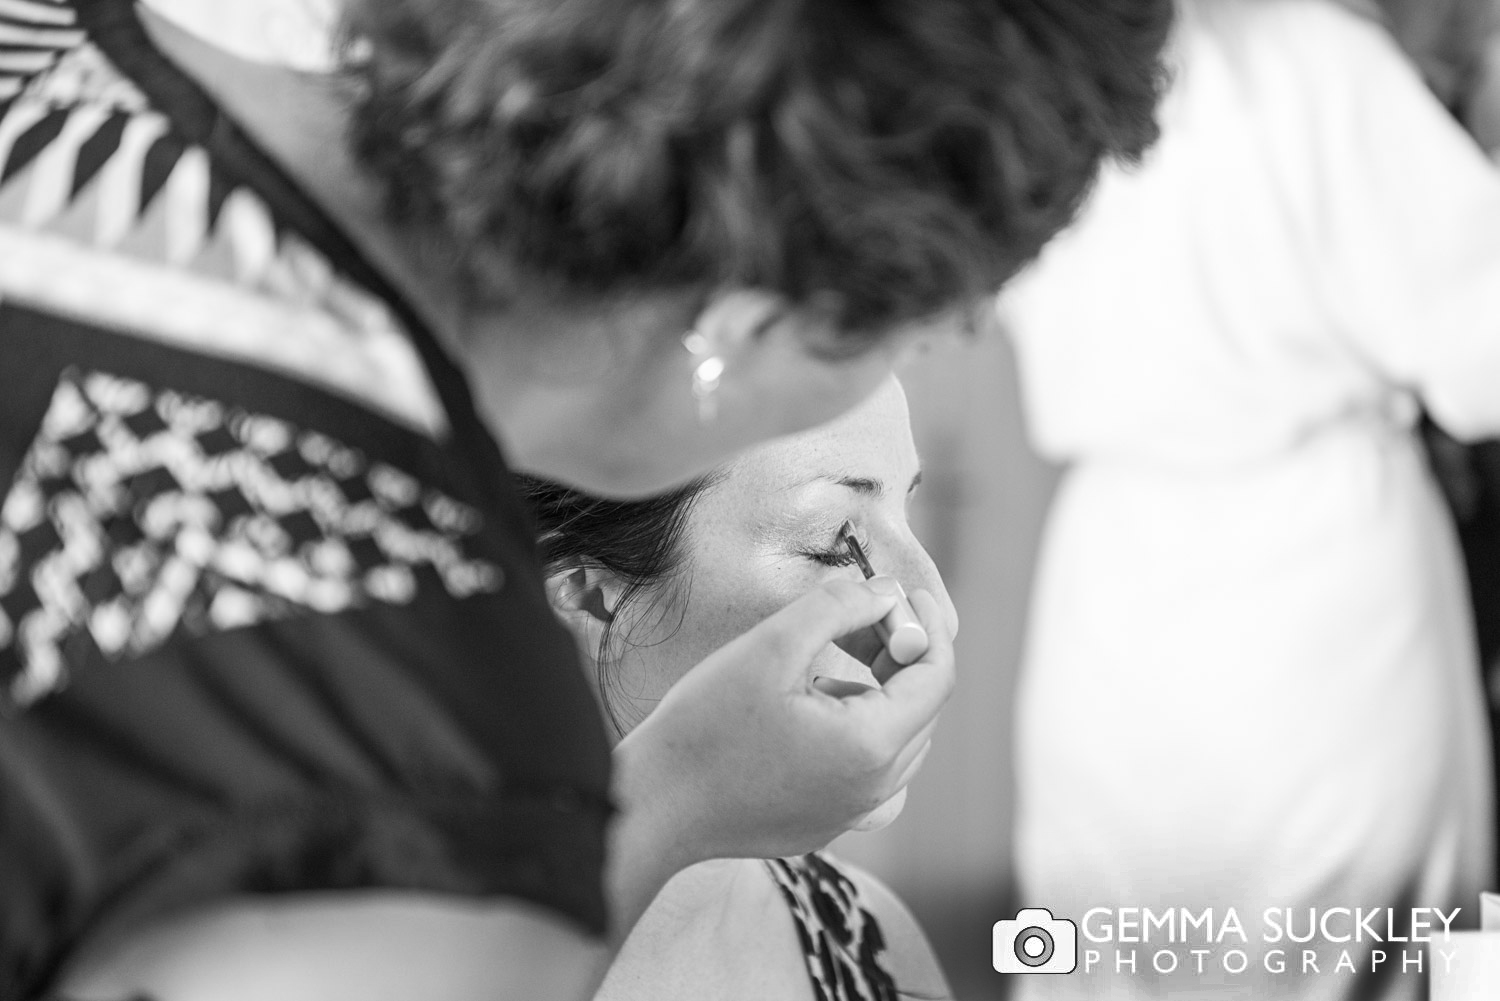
749, 500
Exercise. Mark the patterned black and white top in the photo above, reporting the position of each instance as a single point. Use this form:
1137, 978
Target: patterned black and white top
270, 613
841, 940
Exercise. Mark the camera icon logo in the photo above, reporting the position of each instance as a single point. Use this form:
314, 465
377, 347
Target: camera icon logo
1035, 942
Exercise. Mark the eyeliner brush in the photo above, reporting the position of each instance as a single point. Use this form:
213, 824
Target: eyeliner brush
900, 629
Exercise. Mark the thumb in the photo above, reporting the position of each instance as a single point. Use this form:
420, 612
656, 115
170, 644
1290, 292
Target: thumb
910, 700
796, 634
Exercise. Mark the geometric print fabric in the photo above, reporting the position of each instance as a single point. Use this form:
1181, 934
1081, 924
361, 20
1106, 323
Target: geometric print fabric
108, 215
32, 34
141, 513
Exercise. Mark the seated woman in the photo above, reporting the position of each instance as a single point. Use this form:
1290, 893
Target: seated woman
648, 588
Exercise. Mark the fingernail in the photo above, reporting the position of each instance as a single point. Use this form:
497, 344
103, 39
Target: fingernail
884, 585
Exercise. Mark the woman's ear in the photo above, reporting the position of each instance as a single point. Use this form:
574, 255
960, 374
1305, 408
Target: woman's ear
586, 598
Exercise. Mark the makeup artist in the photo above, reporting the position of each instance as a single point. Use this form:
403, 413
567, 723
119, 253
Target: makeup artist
274, 630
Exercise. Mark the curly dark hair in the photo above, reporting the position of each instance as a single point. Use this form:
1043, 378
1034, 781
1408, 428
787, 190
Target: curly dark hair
878, 160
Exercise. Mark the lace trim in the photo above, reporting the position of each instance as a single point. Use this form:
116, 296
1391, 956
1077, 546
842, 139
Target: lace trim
138, 513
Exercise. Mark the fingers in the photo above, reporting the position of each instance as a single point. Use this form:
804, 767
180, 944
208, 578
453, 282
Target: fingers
914, 704
884, 666
839, 688
800, 631
911, 767
882, 814
933, 620
910, 700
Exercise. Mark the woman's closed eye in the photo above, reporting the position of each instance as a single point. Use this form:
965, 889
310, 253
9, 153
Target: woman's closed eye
836, 555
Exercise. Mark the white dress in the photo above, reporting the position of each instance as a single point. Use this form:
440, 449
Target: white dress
1250, 678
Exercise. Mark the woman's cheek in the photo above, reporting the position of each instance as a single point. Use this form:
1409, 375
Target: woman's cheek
736, 606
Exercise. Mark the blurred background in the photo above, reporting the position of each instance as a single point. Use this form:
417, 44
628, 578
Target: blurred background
981, 512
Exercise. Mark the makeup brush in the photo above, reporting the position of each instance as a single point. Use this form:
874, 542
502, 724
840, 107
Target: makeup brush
900, 630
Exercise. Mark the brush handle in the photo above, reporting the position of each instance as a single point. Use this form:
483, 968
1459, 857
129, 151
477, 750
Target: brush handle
902, 633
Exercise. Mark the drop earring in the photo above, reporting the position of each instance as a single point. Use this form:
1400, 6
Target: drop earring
706, 374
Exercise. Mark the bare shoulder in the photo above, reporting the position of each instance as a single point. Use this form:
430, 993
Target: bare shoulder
913, 963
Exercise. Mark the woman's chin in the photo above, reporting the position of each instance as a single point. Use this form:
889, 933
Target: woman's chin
883, 814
